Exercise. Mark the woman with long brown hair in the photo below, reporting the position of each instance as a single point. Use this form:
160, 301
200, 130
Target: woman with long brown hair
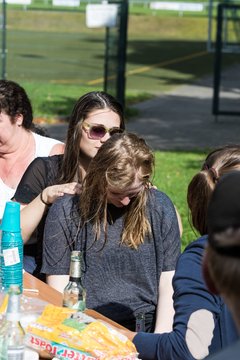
127, 231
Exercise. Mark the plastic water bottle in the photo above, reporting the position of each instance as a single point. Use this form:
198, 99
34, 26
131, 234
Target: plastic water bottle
0, 257
11, 247
11, 332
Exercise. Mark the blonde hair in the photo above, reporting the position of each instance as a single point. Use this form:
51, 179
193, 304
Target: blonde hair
117, 163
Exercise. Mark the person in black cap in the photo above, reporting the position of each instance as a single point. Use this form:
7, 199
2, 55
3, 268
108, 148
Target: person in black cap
222, 256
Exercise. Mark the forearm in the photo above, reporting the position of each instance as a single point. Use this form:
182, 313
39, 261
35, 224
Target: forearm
165, 310
58, 282
31, 215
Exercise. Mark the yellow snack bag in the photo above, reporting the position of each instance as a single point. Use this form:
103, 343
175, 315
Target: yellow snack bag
64, 328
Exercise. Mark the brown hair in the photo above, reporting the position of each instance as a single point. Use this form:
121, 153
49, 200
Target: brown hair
218, 162
94, 100
117, 163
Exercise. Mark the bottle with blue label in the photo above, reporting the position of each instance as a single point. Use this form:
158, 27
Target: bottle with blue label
11, 247
0, 258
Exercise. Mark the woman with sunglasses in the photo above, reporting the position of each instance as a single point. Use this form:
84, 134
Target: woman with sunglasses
95, 117
128, 234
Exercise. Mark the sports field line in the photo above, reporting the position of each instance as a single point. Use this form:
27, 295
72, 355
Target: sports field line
148, 68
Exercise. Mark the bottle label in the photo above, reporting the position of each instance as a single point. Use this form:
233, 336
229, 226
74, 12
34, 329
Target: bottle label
72, 303
11, 256
79, 305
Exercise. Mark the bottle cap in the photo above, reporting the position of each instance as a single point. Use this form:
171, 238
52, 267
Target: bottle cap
11, 217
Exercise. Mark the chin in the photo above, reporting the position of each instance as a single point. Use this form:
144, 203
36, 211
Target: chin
119, 205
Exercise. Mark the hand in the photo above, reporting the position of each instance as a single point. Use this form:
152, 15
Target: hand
129, 334
51, 193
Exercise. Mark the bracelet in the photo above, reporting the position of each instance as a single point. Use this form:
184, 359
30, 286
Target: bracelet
44, 202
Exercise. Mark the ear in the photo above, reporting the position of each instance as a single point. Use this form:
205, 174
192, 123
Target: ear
19, 119
207, 276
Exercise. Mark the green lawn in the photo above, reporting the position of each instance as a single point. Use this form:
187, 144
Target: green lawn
174, 170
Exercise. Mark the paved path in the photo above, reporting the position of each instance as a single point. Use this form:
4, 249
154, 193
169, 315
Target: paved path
181, 119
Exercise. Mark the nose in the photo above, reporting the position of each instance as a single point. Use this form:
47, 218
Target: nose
125, 201
105, 138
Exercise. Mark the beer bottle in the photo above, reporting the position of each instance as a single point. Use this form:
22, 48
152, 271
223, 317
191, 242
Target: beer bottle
74, 295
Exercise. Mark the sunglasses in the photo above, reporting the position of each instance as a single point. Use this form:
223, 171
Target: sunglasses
97, 131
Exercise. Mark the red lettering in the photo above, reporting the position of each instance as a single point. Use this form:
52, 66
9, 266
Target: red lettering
42, 343
54, 350
48, 348
64, 353
70, 354
34, 340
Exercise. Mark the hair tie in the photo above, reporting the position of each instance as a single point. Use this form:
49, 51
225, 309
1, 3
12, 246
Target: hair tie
214, 172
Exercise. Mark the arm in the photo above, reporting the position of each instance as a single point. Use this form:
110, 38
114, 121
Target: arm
179, 221
32, 213
35, 179
58, 282
196, 312
167, 251
165, 311
60, 238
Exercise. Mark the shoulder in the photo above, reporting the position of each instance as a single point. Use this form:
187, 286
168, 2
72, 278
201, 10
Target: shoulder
196, 246
159, 199
67, 204
50, 161
45, 162
160, 204
190, 261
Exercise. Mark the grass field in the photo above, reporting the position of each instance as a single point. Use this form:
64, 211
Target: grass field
174, 171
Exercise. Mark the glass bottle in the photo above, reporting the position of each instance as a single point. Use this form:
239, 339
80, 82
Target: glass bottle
74, 295
11, 332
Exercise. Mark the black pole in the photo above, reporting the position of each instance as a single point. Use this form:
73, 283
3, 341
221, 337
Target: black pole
122, 53
106, 60
217, 62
